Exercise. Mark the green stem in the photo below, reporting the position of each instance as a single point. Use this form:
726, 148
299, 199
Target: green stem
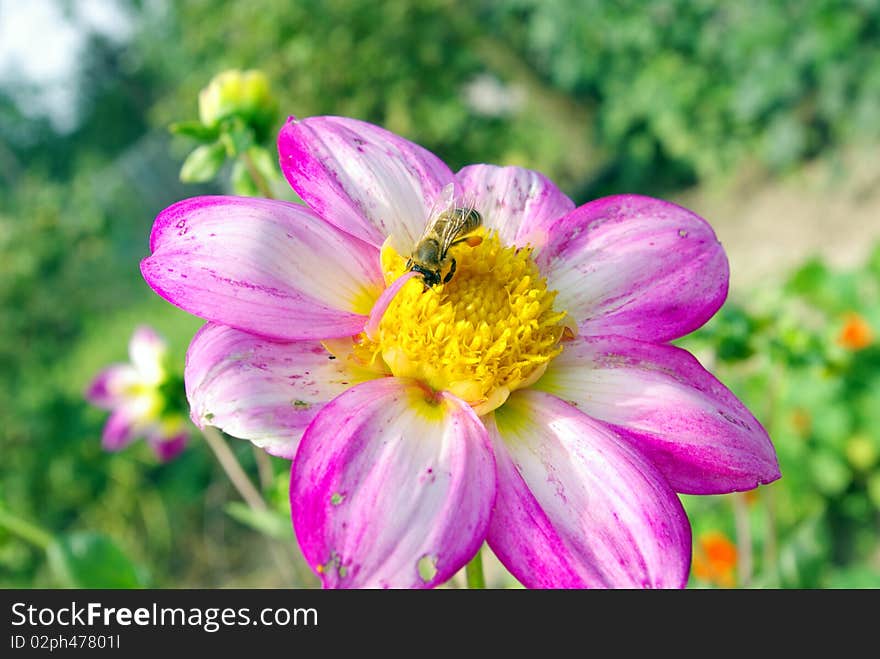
474, 571
743, 538
771, 553
246, 489
233, 469
258, 179
25, 530
264, 468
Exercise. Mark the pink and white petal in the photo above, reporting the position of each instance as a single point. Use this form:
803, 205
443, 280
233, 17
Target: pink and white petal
392, 487
371, 327
107, 389
519, 204
168, 448
635, 266
578, 508
121, 429
147, 351
663, 402
262, 266
362, 178
260, 390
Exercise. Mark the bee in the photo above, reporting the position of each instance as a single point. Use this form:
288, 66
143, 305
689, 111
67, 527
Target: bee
449, 228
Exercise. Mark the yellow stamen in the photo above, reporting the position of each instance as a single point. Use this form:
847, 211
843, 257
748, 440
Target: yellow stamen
149, 399
489, 331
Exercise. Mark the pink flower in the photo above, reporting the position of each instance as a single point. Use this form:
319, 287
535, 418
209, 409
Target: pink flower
137, 395
533, 402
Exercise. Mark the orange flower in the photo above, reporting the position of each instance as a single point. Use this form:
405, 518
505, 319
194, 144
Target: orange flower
856, 333
802, 421
751, 496
715, 560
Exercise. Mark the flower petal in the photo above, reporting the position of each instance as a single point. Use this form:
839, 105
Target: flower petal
371, 328
121, 429
670, 408
392, 487
362, 178
635, 266
107, 389
168, 448
260, 390
147, 351
263, 266
519, 204
579, 508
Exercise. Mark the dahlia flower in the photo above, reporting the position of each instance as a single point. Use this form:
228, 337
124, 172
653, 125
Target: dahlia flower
141, 398
532, 402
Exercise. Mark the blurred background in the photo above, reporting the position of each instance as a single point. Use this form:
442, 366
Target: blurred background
764, 118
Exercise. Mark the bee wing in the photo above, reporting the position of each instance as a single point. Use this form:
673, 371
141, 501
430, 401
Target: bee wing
444, 201
451, 229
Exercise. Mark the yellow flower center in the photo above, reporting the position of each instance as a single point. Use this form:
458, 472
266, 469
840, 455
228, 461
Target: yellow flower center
489, 331
145, 399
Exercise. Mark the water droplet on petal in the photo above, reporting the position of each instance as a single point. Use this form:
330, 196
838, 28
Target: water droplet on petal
427, 567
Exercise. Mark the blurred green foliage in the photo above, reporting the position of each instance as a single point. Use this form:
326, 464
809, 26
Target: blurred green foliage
704, 86
602, 97
805, 358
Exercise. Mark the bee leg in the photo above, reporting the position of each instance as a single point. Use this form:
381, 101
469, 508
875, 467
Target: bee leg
451, 272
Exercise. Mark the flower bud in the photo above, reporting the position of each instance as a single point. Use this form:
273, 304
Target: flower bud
243, 94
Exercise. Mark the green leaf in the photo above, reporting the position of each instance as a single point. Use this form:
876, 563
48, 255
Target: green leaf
857, 576
236, 136
195, 129
830, 473
265, 164
92, 560
873, 264
809, 278
242, 183
804, 554
268, 522
874, 489
203, 163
